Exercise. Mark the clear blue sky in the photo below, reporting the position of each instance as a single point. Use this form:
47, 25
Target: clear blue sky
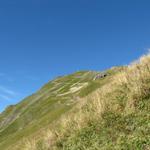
42, 39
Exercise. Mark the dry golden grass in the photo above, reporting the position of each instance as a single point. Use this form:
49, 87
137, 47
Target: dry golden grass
134, 78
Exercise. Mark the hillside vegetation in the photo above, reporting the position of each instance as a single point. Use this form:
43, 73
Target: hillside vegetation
76, 112
45, 106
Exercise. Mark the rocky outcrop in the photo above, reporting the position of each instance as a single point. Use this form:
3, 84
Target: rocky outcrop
100, 76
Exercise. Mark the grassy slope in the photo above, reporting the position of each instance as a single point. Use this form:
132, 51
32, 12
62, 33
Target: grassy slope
114, 117
112, 114
124, 123
48, 104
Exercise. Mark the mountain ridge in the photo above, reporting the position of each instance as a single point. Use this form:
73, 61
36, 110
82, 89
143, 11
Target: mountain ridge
63, 92
86, 110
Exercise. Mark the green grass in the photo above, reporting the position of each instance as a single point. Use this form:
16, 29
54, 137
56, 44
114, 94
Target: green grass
118, 127
114, 130
125, 122
41, 109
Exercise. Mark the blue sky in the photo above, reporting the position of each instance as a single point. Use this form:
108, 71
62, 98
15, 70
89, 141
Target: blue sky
42, 39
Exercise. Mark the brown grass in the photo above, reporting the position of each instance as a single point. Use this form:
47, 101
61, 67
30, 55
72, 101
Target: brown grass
134, 79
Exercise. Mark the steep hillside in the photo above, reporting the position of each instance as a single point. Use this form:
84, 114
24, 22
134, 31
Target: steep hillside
84, 111
115, 116
48, 104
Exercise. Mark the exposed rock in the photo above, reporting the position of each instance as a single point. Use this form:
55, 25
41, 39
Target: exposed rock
100, 76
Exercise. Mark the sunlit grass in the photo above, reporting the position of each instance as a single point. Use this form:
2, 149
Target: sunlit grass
115, 116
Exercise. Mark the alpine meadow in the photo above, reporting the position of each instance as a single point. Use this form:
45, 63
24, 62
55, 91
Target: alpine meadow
86, 110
